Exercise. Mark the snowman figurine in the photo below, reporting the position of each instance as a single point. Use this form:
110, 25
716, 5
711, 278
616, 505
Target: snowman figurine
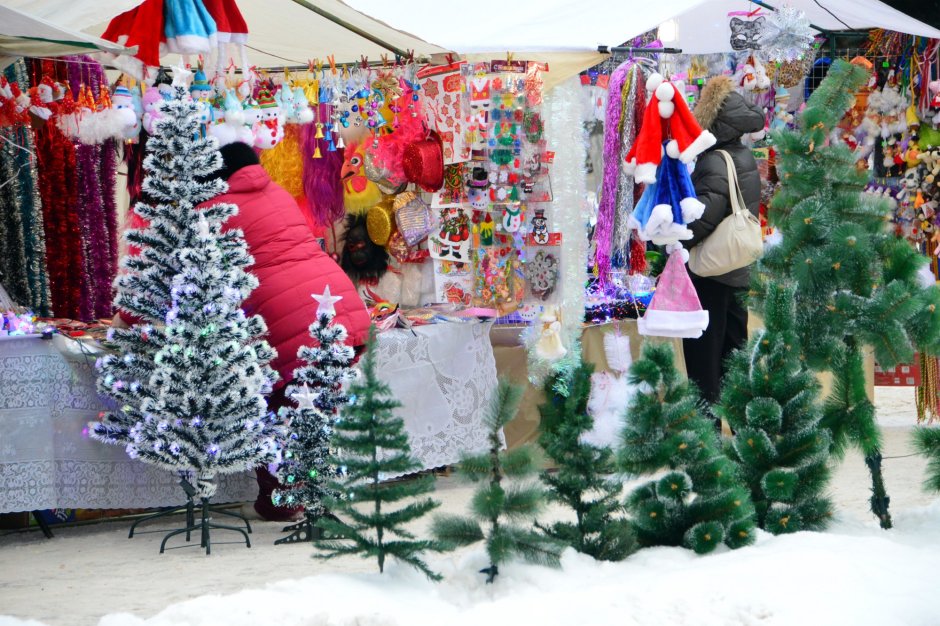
200, 91
122, 100
268, 129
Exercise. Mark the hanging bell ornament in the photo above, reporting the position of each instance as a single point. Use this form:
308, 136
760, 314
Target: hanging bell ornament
319, 134
331, 147
340, 144
316, 153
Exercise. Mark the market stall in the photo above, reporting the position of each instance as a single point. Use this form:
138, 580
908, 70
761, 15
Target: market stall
447, 189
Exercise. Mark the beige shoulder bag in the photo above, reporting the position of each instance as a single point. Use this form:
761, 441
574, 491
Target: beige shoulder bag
736, 242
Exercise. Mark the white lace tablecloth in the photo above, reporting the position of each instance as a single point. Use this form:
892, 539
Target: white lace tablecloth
443, 375
46, 460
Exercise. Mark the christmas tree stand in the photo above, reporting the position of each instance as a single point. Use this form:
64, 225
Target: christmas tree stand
204, 526
305, 530
189, 509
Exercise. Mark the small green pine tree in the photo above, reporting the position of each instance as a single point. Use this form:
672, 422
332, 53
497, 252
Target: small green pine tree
701, 501
769, 399
855, 280
371, 443
582, 481
927, 443
496, 505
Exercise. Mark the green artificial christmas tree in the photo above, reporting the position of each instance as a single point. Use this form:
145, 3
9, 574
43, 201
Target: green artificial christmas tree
855, 282
927, 443
496, 504
582, 481
371, 444
769, 399
701, 501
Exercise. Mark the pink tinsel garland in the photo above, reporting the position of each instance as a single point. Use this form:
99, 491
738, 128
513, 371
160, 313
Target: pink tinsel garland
607, 207
322, 185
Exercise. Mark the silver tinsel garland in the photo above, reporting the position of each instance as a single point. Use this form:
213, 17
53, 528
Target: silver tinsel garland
570, 215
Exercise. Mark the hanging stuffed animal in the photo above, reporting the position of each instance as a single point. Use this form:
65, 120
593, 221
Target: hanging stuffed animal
359, 193
150, 102
126, 108
268, 130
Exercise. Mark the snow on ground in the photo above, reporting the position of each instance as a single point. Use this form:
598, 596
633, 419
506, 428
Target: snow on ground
855, 573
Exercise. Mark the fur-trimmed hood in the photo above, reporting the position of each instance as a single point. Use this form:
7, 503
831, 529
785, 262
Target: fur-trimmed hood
725, 112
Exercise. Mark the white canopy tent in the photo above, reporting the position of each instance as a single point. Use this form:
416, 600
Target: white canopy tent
563, 32
26, 34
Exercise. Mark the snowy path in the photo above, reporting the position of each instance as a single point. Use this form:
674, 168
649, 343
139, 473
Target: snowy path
853, 574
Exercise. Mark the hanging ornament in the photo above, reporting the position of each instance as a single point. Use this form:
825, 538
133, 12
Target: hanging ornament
787, 35
746, 34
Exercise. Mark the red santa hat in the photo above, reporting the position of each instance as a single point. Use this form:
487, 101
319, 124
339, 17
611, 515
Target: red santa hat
229, 23
671, 116
141, 26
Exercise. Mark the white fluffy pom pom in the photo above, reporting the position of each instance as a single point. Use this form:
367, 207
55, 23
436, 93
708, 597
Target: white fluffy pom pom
672, 148
654, 81
666, 109
665, 92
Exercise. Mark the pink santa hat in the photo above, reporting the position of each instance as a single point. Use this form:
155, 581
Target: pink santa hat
669, 117
675, 310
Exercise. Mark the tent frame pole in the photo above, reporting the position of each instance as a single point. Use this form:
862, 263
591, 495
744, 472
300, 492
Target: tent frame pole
351, 27
631, 50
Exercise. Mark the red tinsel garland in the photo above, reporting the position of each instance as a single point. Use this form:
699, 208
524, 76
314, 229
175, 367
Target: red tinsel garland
56, 155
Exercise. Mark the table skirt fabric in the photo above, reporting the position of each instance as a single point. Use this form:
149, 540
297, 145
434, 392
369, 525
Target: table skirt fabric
443, 374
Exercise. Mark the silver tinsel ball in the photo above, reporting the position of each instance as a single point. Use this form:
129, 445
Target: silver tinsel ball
787, 35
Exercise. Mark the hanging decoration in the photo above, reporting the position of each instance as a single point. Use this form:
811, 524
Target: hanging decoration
746, 34
786, 35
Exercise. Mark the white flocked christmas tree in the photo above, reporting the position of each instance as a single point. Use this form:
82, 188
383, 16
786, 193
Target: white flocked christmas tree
319, 392
190, 378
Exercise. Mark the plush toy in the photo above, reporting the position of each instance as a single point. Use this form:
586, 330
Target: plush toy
150, 102
910, 183
302, 111
268, 130
359, 193
127, 111
752, 76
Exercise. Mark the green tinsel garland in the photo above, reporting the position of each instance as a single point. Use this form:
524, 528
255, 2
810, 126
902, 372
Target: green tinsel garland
22, 238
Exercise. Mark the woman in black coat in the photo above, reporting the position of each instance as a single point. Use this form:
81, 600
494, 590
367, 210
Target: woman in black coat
729, 117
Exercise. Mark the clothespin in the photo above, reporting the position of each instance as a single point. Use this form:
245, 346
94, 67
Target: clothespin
449, 58
385, 60
332, 60
364, 62
509, 56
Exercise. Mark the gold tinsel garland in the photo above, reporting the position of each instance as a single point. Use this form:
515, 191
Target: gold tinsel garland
284, 163
928, 400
